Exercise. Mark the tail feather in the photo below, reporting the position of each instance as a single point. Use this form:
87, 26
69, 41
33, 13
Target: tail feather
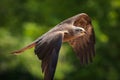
25, 48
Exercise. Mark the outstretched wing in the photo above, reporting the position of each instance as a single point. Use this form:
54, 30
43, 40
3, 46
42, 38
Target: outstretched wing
47, 50
84, 45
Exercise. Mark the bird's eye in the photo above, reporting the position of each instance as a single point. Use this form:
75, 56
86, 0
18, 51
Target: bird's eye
78, 30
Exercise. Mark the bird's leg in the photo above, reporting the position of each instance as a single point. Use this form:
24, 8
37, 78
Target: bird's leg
23, 49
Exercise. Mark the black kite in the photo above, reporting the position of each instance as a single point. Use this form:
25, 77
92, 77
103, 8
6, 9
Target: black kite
77, 31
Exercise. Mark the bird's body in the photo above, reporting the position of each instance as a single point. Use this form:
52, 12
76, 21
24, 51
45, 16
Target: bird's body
77, 31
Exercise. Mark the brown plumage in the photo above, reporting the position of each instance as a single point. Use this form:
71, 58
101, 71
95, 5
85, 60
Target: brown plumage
77, 31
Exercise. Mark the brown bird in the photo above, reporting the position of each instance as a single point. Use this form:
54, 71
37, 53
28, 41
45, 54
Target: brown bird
77, 31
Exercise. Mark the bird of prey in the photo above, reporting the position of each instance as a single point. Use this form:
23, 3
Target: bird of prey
77, 31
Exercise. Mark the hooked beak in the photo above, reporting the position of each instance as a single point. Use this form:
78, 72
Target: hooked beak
85, 32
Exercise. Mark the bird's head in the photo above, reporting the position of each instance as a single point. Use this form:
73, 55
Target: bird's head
79, 31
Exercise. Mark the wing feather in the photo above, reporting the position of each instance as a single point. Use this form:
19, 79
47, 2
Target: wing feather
84, 45
47, 50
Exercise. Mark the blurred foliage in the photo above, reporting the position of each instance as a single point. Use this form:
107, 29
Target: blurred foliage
22, 21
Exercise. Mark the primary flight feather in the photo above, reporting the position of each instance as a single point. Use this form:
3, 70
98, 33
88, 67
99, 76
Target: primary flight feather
77, 31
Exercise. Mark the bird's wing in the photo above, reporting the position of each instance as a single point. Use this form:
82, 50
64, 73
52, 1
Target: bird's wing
47, 50
84, 45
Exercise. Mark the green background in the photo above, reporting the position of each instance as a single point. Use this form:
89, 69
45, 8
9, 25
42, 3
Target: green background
22, 21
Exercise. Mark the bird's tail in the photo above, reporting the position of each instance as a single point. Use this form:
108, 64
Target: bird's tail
25, 48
